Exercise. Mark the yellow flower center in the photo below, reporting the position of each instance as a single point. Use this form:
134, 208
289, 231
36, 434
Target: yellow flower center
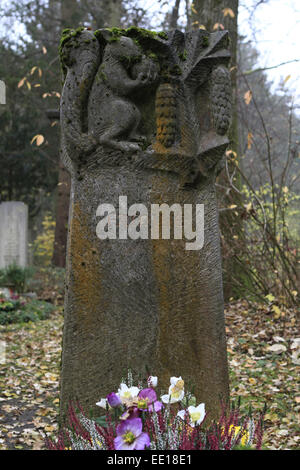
127, 394
129, 437
195, 416
177, 389
143, 403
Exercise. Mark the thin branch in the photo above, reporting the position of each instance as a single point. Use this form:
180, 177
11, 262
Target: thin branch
261, 69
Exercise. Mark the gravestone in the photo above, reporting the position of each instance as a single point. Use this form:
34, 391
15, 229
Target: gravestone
144, 118
13, 234
2, 92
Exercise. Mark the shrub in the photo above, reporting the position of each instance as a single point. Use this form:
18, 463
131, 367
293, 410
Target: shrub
19, 311
44, 243
16, 277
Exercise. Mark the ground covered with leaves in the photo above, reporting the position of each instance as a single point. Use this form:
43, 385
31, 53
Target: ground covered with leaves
263, 355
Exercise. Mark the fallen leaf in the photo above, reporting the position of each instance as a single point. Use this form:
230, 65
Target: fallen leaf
218, 26
248, 97
277, 348
228, 11
21, 82
39, 139
249, 140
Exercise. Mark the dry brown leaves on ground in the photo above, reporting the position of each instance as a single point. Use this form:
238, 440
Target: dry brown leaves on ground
263, 355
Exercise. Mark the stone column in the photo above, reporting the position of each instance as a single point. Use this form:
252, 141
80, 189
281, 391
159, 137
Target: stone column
13, 234
144, 115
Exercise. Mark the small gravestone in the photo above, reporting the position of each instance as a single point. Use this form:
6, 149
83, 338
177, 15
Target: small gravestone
144, 118
2, 92
13, 234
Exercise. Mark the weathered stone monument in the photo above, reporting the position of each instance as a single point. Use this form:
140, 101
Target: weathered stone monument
144, 115
13, 234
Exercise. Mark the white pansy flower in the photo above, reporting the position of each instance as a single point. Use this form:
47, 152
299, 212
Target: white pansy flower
152, 381
181, 414
103, 403
196, 414
176, 391
127, 393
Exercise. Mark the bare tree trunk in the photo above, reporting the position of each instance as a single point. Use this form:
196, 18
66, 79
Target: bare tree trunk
214, 15
174, 15
67, 13
114, 13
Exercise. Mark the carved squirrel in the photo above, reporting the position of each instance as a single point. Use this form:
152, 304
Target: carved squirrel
96, 107
113, 117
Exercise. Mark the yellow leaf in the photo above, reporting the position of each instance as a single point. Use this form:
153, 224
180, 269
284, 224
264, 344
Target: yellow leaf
271, 417
21, 82
217, 26
295, 293
270, 297
194, 9
233, 206
248, 96
228, 11
28, 85
44, 50
37, 85
49, 428
286, 79
39, 139
202, 26
40, 72
276, 309
285, 189
232, 154
248, 206
250, 140
33, 70
252, 381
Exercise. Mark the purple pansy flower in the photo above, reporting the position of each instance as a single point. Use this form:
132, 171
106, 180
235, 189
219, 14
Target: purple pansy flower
113, 400
130, 435
147, 400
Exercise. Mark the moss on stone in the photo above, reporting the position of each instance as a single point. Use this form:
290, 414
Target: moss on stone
142, 33
162, 35
205, 41
129, 61
183, 55
68, 34
101, 74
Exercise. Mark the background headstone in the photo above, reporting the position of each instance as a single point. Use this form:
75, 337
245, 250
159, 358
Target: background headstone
2, 92
143, 115
13, 234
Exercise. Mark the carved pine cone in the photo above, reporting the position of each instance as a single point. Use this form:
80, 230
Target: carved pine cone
165, 106
221, 99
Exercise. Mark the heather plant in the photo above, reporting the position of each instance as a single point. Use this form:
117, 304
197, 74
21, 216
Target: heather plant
135, 419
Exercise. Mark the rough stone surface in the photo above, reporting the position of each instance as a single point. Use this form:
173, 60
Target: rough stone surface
143, 115
13, 233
